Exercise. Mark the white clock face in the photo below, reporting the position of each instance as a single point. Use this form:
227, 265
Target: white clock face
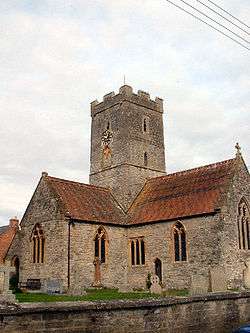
106, 137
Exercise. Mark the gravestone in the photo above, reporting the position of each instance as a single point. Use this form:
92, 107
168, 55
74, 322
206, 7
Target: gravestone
155, 286
199, 284
6, 294
246, 274
54, 286
1, 281
218, 279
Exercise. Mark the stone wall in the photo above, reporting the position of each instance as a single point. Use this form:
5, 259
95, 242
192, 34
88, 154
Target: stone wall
202, 252
82, 255
215, 313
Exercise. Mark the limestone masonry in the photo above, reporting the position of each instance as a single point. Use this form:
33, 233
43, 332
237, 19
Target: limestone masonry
134, 222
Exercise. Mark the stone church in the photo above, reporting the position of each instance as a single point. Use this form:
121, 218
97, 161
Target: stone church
134, 219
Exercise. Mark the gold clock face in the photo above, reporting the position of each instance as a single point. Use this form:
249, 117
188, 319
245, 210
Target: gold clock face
106, 137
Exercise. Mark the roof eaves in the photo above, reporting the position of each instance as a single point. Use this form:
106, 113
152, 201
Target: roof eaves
78, 220
214, 212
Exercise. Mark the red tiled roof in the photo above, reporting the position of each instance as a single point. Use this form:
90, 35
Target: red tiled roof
181, 194
6, 236
86, 202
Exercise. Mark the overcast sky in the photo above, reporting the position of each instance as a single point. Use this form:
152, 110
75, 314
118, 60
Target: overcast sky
57, 56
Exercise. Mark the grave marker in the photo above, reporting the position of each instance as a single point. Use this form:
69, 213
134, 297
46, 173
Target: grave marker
6, 294
246, 274
155, 287
199, 284
218, 279
54, 286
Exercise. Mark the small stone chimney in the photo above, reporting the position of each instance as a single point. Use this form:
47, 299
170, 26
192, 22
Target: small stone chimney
14, 222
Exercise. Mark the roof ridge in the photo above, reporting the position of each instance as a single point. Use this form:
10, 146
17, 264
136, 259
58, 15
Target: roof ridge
75, 182
193, 169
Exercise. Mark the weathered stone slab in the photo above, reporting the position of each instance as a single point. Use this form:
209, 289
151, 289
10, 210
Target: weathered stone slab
246, 274
199, 284
54, 286
6, 294
218, 279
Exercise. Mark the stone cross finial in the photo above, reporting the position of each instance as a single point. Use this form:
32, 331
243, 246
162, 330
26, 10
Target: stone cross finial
238, 149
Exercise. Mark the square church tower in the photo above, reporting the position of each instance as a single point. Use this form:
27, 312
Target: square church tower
127, 143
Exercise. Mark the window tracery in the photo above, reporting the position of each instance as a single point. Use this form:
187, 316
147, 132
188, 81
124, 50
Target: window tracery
243, 225
101, 244
137, 251
180, 243
38, 244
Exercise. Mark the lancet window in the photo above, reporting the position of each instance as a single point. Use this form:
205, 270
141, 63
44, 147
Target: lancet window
101, 245
243, 225
145, 159
145, 125
137, 251
180, 243
38, 244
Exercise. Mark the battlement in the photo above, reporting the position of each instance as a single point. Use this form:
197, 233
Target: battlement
126, 93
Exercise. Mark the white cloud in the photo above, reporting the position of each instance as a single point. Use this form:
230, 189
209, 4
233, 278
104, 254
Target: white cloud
58, 56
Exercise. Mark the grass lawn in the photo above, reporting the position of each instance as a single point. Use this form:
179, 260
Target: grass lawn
176, 292
92, 295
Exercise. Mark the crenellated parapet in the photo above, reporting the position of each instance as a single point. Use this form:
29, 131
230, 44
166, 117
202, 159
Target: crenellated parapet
142, 98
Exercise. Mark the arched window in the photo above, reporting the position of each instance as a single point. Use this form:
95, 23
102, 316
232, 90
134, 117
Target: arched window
158, 268
137, 251
38, 243
243, 225
16, 263
142, 252
145, 124
180, 246
145, 159
132, 253
101, 244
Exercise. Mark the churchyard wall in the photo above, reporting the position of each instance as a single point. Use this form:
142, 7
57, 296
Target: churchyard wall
214, 313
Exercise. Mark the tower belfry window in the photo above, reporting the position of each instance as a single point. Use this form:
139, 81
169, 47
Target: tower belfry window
145, 125
145, 159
